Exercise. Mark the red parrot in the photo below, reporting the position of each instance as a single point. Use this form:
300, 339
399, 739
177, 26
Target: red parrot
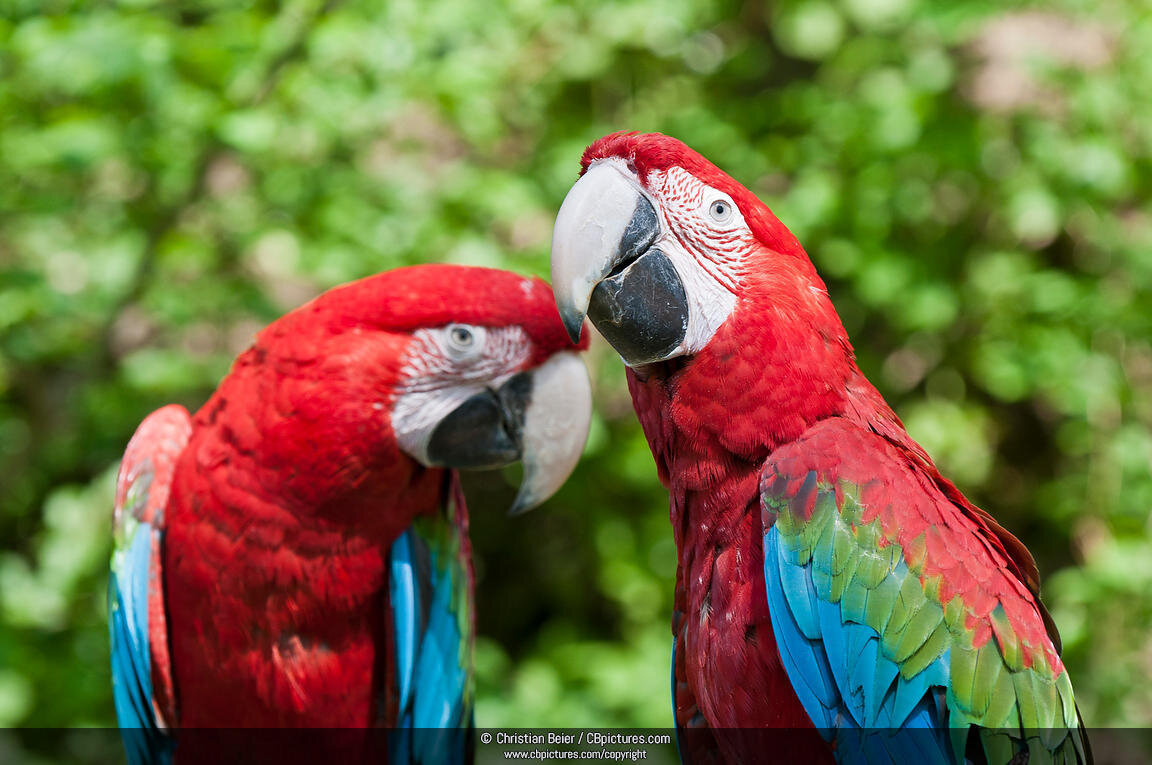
830, 580
296, 553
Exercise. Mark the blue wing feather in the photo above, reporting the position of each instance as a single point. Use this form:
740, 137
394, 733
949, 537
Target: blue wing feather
796, 584
405, 601
804, 659
128, 611
430, 598
440, 701
143, 739
852, 693
142, 495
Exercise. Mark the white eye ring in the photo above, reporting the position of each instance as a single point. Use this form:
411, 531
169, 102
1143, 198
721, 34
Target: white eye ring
720, 210
462, 339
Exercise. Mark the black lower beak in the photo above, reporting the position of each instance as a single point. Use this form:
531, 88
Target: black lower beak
486, 431
642, 309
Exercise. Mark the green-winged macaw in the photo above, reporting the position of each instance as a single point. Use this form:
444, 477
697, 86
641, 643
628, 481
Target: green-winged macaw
830, 581
296, 553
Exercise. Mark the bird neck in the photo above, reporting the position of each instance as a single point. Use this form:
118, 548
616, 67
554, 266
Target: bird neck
781, 363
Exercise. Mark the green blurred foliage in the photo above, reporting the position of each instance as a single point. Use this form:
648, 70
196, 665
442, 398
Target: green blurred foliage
971, 178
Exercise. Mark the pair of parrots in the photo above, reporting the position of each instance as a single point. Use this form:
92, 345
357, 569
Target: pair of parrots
296, 553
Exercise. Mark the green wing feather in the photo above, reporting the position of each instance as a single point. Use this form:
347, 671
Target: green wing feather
906, 565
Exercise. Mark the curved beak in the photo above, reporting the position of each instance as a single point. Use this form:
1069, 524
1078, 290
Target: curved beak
606, 264
540, 416
555, 428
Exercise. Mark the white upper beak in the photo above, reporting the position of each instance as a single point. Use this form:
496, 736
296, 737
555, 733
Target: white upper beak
587, 236
555, 428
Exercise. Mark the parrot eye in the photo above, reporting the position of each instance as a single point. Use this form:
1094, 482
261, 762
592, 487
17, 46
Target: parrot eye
462, 340
461, 337
720, 210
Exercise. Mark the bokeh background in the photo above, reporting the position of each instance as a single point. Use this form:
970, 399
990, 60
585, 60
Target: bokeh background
971, 177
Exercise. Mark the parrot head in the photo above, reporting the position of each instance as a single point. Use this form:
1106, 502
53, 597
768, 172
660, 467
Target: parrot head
657, 246
449, 366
